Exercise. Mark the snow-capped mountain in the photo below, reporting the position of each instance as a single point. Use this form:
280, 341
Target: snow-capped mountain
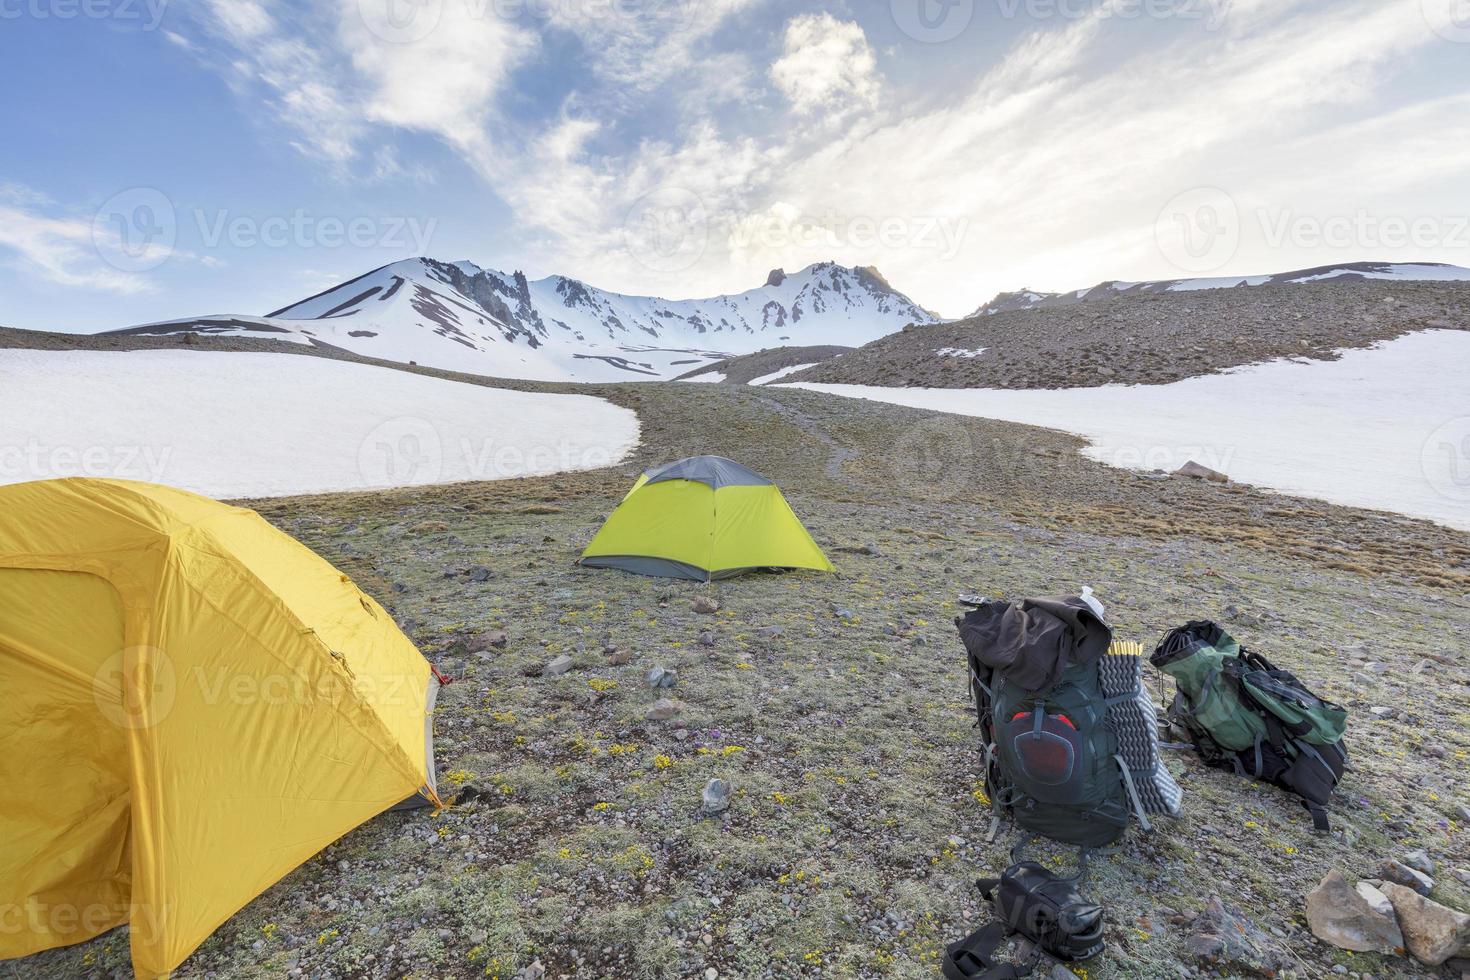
458, 316
1027, 299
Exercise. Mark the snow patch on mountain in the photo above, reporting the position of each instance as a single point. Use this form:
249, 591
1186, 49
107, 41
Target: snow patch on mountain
459, 316
766, 379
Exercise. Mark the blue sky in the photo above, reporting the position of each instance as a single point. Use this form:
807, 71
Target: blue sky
175, 158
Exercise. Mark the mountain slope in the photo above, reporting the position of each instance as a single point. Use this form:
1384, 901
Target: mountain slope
1152, 337
458, 316
748, 367
1029, 299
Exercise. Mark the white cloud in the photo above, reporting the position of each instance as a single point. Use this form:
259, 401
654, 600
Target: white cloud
60, 250
1062, 155
827, 65
440, 80
300, 78
642, 45
245, 20
1057, 156
338, 74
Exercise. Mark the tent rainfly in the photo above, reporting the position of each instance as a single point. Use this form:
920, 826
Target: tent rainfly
193, 704
703, 518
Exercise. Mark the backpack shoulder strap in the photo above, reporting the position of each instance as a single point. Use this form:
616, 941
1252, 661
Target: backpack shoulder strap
973, 958
1320, 823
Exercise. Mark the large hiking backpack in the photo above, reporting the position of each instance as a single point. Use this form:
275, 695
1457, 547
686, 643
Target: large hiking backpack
1246, 716
1075, 759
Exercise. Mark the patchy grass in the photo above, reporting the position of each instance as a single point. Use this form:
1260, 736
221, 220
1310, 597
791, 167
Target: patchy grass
854, 832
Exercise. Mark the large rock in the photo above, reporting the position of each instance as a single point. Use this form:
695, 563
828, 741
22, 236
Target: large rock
716, 796
1402, 874
1198, 471
1432, 932
557, 667
1224, 937
1356, 917
662, 710
1420, 861
483, 643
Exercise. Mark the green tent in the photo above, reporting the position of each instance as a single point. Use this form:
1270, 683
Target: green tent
703, 518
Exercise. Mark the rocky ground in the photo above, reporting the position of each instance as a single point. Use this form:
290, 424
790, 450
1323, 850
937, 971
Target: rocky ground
747, 367
836, 708
1150, 338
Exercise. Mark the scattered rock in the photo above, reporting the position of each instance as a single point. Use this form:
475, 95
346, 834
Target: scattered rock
1359, 918
844, 614
716, 796
533, 972
1383, 713
1196, 471
1223, 936
1432, 932
1420, 861
705, 605
662, 710
772, 632
1402, 874
488, 640
662, 677
472, 791
706, 639
619, 658
1235, 614
557, 667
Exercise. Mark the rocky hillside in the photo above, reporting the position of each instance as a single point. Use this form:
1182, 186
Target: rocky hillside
748, 367
1028, 299
1150, 337
458, 316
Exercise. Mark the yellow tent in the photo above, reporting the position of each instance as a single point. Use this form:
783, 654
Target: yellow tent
703, 518
193, 704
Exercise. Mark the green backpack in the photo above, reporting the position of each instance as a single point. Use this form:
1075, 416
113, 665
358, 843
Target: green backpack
1245, 715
